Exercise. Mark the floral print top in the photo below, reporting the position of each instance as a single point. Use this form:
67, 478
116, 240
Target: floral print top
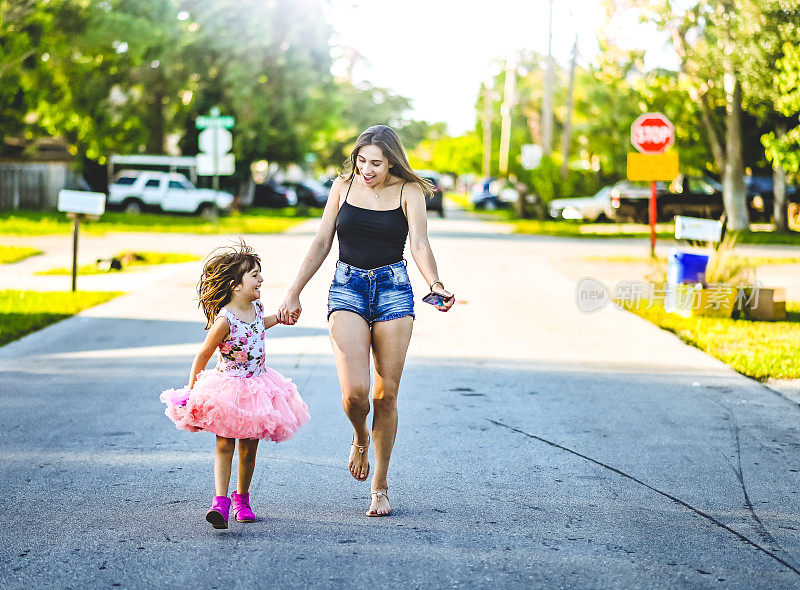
241, 354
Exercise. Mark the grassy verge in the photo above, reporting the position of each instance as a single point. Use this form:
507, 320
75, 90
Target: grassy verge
761, 350
9, 254
749, 260
23, 312
254, 221
128, 259
576, 229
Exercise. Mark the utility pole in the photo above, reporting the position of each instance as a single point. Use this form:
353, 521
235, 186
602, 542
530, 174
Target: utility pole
487, 128
566, 135
505, 112
547, 100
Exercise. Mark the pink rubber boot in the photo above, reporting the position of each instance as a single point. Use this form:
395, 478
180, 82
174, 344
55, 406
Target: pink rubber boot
218, 513
241, 507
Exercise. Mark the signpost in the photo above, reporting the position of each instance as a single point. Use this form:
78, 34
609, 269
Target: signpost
214, 142
80, 205
652, 134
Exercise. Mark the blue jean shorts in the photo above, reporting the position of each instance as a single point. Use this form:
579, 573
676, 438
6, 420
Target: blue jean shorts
377, 295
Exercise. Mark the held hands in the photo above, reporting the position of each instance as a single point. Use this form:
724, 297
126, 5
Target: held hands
289, 311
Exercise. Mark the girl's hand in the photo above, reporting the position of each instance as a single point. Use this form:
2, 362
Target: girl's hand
447, 304
290, 310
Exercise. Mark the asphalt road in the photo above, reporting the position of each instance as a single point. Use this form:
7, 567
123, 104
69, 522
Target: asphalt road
539, 446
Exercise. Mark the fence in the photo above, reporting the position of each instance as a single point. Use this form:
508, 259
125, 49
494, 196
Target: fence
29, 185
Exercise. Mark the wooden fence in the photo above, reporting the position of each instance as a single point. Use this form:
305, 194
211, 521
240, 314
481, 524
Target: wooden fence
34, 185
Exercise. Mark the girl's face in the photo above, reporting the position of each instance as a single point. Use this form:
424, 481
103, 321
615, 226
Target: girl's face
372, 165
250, 287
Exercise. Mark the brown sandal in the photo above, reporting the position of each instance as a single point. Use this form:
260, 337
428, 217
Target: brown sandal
379, 494
361, 451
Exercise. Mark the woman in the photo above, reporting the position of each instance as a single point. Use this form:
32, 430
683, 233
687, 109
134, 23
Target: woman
373, 206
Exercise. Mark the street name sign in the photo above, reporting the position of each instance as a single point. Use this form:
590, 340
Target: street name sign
652, 133
204, 122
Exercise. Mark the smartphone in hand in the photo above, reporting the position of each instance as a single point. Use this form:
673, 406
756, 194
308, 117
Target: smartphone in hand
436, 299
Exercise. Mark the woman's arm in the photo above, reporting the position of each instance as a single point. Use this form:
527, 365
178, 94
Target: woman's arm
290, 309
417, 215
219, 330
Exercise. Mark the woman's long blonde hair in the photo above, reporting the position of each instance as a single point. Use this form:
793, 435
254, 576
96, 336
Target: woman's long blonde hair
222, 271
385, 138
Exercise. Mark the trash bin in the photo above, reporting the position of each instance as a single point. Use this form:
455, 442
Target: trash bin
683, 267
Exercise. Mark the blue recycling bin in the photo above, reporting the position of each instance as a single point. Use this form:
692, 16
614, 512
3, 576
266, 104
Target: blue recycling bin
683, 267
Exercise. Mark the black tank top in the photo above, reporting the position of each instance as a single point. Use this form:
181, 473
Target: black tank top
368, 238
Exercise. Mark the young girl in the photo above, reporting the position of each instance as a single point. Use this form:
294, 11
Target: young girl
241, 398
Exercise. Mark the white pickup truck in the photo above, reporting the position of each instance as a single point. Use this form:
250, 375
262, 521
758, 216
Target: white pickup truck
135, 191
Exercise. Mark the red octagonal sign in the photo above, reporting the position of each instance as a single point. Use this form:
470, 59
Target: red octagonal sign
652, 133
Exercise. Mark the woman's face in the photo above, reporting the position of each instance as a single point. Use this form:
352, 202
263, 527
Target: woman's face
372, 165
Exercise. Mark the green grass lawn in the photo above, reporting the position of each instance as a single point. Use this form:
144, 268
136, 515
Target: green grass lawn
128, 259
750, 260
761, 350
9, 254
23, 312
254, 221
577, 229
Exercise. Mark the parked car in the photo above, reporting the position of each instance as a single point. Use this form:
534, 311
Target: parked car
694, 196
273, 194
436, 201
309, 192
489, 194
761, 196
135, 191
594, 208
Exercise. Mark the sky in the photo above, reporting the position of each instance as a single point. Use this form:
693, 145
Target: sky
437, 52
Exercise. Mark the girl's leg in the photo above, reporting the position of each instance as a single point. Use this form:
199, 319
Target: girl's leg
222, 464
247, 464
389, 346
350, 340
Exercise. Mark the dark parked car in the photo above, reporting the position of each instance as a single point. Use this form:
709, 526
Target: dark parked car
688, 195
761, 196
273, 194
436, 201
309, 192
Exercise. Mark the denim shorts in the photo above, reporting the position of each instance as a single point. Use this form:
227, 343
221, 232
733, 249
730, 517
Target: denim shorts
377, 295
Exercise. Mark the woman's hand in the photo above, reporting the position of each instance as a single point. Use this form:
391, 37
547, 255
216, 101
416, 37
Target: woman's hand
446, 305
290, 310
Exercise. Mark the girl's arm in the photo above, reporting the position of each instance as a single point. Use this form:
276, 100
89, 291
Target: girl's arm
417, 215
270, 320
219, 330
290, 309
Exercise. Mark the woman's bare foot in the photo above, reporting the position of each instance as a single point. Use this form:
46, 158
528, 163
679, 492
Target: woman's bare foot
359, 459
380, 504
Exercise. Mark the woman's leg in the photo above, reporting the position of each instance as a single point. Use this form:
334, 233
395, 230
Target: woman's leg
247, 464
222, 464
389, 346
350, 339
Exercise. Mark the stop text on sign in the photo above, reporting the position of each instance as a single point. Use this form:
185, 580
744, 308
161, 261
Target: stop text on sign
652, 133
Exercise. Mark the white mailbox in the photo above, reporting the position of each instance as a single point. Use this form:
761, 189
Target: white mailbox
696, 228
84, 202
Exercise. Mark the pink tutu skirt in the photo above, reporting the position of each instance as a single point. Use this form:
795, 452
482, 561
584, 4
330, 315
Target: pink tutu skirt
266, 406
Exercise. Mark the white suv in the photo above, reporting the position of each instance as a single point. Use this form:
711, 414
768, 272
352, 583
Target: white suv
135, 190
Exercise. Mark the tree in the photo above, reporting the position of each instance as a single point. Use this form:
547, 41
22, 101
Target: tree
707, 37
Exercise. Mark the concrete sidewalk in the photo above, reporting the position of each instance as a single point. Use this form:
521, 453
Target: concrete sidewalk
539, 446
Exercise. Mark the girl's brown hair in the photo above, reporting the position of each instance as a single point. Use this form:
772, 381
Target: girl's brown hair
389, 143
222, 271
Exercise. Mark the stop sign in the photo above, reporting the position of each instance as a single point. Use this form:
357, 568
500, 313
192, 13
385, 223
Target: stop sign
652, 133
